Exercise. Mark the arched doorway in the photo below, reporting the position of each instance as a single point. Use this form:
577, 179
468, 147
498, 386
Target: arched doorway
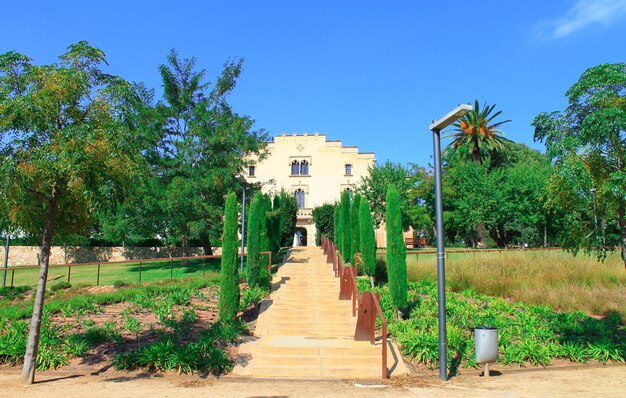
300, 237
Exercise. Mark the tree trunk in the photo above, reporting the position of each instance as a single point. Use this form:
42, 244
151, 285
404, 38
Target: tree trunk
30, 358
206, 246
545, 234
621, 210
185, 247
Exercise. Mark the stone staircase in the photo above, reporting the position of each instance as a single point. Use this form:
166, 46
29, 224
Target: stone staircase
304, 331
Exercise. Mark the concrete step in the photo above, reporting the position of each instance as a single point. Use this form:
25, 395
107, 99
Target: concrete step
317, 372
299, 360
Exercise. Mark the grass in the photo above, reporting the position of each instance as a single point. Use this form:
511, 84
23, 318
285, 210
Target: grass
126, 272
552, 278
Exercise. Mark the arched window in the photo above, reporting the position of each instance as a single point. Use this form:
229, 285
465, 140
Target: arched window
295, 168
304, 168
300, 198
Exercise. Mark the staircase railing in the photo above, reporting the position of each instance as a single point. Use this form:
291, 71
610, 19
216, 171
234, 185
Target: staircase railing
367, 303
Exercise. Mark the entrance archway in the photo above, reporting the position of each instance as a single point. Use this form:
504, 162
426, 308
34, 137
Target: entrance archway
300, 238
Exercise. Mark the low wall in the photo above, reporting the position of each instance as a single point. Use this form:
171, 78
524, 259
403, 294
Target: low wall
27, 255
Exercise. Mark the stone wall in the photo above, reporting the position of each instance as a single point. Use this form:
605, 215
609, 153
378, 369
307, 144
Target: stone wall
27, 255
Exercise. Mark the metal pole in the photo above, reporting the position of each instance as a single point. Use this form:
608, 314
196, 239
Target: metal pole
243, 227
441, 265
6, 260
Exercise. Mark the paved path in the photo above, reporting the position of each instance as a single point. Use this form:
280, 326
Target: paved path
304, 331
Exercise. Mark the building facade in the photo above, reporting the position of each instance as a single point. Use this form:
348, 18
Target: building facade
314, 169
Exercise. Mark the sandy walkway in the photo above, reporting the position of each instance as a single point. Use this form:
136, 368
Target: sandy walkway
606, 382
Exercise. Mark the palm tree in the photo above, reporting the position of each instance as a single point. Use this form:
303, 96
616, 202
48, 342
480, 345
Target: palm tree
478, 132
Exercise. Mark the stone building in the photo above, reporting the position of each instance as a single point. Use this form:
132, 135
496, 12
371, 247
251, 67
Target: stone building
314, 169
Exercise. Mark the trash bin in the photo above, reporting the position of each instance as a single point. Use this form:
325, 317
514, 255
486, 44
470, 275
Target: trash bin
486, 344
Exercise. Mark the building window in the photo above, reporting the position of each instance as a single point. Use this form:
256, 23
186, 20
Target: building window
251, 171
304, 168
300, 198
348, 169
295, 168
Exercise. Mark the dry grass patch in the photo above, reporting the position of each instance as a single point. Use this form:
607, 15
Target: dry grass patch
554, 278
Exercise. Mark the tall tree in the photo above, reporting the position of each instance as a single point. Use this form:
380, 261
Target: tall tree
587, 144
337, 225
323, 218
396, 251
368, 240
196, 143
406, 179
477, 133
229, 277
354, 220
253, 240
346, 228
288, 216
67, 151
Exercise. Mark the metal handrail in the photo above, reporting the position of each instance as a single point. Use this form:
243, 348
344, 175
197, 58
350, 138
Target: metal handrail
383, 322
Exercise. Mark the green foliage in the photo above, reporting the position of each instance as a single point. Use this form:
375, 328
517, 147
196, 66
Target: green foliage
253, 240
477, 134
586, 144
368, 239
407, 180
396, 251
60, 286
229, 286
354, 220
337, 225
288, 215
251, 296
273, 226
346, 228
527, 334
324, 219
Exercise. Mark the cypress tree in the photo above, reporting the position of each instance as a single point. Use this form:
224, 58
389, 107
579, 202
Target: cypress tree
346, 228
229, 285
354, 218
368, 240
336, 225
264, 239
253, 240
396, 251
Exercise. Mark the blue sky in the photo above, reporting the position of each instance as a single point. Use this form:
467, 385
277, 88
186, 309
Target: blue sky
370, 73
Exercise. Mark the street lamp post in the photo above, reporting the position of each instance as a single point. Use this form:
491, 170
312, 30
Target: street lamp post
436, 127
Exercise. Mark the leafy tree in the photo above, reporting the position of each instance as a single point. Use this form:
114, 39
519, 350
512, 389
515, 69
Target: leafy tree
288, 206
354, 219
273, 226
196, 143
323, 216
477, 133
67, 151
346, 228
368, 240
374, 187
396, 251
253, 240
229, 278
588, 148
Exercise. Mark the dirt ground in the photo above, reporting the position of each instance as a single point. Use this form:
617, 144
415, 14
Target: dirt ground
580, 381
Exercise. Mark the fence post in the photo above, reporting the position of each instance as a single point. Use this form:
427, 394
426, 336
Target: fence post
98, 277
139, 271
171, 269
203, 266
12, 276
69, 272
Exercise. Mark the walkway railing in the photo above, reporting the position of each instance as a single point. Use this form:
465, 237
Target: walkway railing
367, 303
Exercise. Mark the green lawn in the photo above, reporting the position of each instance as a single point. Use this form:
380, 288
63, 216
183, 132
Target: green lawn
151, 271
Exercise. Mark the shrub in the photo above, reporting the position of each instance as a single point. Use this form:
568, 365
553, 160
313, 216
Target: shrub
229, 288
60, 286
336, 226
118, 284
396, 251
288, 216
323, 217
356, 230
368, 240
253, 239
346, 228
